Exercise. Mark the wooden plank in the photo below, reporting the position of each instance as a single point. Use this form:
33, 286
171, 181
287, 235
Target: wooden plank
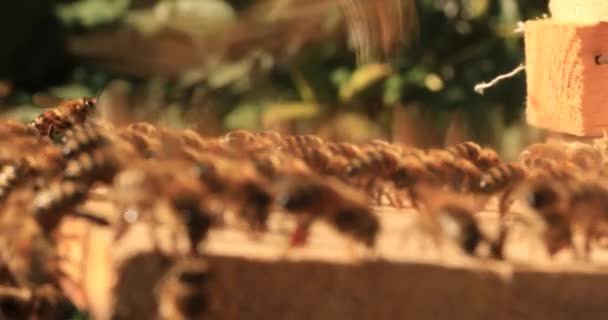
405, 278
579, 10
566, 89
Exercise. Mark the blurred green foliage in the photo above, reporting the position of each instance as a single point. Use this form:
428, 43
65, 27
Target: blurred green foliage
461, 43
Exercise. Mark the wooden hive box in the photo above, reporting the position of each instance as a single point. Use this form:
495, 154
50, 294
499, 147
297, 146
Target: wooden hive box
567, 89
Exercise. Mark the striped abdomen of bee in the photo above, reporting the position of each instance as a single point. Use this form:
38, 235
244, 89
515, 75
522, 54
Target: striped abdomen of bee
10, 175
321, 159
64, 116
95, 165
273, 164
81, 139
146, 146
58, 199
468, 150
379, 162
456, 172
500, 178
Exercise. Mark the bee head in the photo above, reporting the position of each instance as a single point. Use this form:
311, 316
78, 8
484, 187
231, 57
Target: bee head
89, 103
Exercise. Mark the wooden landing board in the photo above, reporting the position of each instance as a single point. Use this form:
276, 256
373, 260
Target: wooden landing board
405, 279
566, 89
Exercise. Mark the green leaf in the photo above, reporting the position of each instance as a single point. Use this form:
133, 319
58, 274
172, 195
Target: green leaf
91, 13
362, 78
245, 116
286, 111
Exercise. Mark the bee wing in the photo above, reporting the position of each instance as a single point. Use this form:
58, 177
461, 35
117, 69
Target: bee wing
46, 100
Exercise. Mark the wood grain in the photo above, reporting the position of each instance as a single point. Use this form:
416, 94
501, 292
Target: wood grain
404, 278
566, 89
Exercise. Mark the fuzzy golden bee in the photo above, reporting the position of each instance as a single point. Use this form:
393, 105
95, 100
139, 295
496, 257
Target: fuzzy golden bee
343, 208
64, 116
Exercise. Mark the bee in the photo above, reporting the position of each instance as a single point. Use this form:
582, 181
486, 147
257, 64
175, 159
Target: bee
586, 157
42, 302
468, 150
81, 138
449, 216
144, 128
373, 169
64, 116
146, 146
274, 164
502, 178
456, 223
588, 212
239, 186
549, 201
294, 143
437, 168
322, 160
10, 175
183, 291
12, 128
327, 199
53, 202
196, 219
551, 150
95, 165
487, 159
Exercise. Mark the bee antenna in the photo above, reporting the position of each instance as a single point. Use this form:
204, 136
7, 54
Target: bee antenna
100, 92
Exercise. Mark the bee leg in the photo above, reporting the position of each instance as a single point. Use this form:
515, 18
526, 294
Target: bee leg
413, 196
588, 247
394, 200
505, 202
299, 237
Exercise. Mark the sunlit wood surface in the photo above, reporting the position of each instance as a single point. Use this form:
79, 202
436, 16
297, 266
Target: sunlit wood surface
406, 277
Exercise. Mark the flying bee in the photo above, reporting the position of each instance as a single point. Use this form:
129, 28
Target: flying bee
183, 291
64, 116
327, 199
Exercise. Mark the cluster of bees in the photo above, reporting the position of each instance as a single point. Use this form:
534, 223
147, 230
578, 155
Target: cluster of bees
176, 179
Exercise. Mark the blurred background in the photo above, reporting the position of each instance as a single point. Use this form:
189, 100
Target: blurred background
344, 69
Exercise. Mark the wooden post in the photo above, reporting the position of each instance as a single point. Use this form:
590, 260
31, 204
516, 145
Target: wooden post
579, 10
567, 88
